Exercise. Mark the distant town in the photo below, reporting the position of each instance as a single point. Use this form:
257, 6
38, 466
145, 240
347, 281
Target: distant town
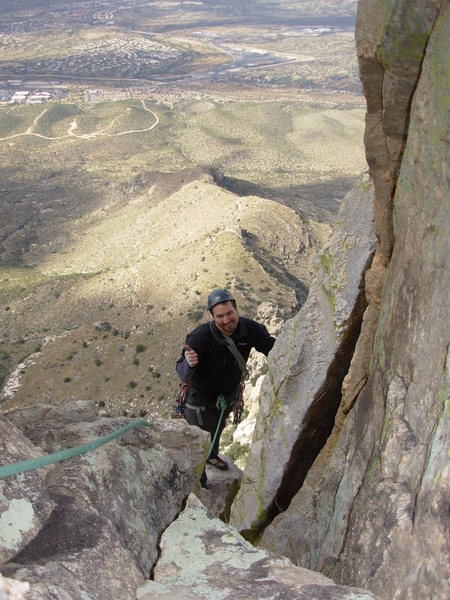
116, 57
78, 12
167, 95
17, 91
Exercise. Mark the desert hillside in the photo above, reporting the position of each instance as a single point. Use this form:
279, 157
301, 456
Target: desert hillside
113, 308
141, 168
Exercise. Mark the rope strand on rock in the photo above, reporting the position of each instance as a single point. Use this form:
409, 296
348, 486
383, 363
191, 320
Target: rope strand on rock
56, 457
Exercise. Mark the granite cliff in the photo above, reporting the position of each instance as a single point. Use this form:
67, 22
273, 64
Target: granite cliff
367, 504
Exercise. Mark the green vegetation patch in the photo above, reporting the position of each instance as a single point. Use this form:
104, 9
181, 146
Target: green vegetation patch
399, 48
14, 280
54, 119
10, 122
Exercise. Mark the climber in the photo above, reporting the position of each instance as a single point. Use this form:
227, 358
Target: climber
213, 361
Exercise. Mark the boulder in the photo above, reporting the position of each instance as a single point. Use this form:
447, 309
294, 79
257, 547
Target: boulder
10, 589
140, 505
25, 504
301, 392
80, 555
109, 506
202, 557
28, 417
222, 489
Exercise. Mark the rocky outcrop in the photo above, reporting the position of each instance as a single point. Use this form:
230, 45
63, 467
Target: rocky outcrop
202, 558
98, 532
402, 549
390, 42
372, 510
367, 359
101, 538
239, 437
25, 504
221, 489
301, 393
10, 589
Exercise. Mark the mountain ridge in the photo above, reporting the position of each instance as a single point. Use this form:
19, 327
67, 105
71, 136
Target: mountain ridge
131, 273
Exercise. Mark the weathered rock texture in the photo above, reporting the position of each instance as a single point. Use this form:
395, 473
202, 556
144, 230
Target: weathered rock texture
10, 589
300, 396
202, 558
373, 510
241, 436
222, 489
25, 504
98, 533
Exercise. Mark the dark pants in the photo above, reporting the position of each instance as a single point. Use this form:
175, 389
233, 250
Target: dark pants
207, 416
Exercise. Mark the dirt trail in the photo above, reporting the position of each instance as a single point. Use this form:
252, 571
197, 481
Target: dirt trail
84, 136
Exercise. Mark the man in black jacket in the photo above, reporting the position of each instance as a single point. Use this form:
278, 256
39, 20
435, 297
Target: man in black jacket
210, 363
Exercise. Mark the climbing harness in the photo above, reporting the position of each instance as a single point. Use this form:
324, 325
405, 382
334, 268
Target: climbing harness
180, 399
51, 459
198, 411
238, 408
221, 404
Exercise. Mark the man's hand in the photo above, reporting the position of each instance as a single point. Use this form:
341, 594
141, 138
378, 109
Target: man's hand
191, 356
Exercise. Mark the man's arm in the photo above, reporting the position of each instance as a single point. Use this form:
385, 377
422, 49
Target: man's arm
186, 364
264, 341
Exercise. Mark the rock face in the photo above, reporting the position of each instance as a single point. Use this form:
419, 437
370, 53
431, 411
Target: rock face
97, 535
202, 558
222, 488
273, 317
301, 394
25, 504
401, 417
10, 589
372, 510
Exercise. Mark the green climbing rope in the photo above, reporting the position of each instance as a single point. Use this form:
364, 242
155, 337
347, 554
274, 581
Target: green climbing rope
51, 459
222, 406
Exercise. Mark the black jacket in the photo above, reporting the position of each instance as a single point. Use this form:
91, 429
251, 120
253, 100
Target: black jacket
217, 371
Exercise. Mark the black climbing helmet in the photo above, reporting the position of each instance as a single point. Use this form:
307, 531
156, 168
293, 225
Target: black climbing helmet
218, 296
